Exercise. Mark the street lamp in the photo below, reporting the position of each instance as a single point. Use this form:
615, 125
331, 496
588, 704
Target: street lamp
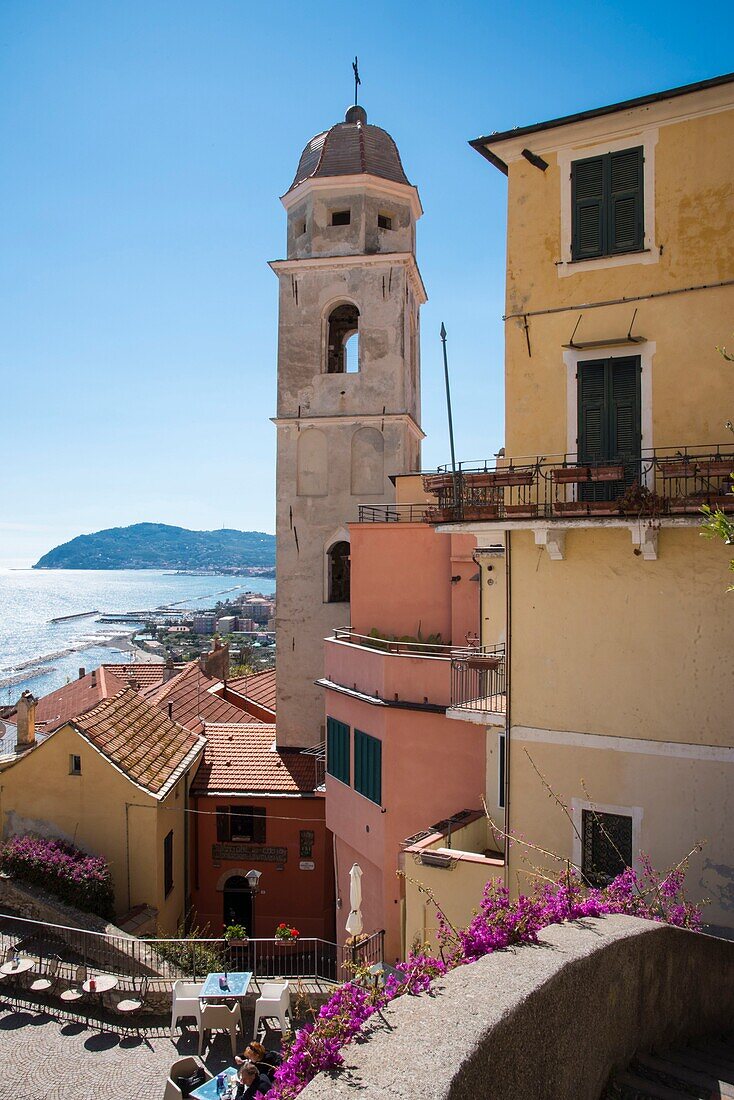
253, 881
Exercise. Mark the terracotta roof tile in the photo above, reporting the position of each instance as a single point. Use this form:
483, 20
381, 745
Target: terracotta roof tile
58, 707
242, 758
144, 673
259, 688
143, 742
193, 699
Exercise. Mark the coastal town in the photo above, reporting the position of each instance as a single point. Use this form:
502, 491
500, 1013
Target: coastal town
488, 706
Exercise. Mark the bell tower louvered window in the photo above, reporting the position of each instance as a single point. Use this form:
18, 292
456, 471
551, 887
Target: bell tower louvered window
608, 204
609, 423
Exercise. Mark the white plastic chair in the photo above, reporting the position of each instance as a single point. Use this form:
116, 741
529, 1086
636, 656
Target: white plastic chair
186, 1003
184, 1067
274, 1000
221, 1018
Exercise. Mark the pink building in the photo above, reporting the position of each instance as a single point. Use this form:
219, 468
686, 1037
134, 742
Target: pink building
396, 764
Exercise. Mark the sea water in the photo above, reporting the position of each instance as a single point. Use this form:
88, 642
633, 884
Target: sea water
40, 656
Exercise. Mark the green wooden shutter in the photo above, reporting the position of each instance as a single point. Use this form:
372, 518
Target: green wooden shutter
626, 226
625, 433
592, 418
587, 199
337, 750
223, 824
368, 766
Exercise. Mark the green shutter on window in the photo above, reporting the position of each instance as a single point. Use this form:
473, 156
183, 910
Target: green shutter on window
626, 213
337, 750
592, 412
609, 421
624, 408
368, 766
587, 197
607, 199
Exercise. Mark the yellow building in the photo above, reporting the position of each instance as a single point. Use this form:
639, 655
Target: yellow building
114, 781
615, 689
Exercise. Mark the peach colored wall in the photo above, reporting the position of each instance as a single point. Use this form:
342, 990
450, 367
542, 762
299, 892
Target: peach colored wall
465, 592
401, 579
389, 676
303, 898
432, 766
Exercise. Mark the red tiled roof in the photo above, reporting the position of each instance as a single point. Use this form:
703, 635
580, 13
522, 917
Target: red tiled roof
145, 673
242, 758
259, 688
58, 707
193, 699
144, 743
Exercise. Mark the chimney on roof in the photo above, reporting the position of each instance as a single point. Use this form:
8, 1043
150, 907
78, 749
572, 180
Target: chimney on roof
82, 673
26, 722
169, 670
170, 709
215, 664
94, 677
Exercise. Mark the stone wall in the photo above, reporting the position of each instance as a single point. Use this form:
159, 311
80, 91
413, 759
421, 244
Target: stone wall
549, 1021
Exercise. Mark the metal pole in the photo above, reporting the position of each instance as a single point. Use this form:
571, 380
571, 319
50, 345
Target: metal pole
451, 420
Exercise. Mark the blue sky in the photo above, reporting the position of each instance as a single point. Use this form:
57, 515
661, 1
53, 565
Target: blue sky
145, 145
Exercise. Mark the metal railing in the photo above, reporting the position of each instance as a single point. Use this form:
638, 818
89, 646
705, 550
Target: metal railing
393, 513
478, 681
662, 481
399, 646
128, 957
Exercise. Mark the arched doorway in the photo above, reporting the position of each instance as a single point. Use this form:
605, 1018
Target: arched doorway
237, 902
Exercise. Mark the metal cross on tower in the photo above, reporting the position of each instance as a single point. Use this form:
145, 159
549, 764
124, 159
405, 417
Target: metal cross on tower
357, 81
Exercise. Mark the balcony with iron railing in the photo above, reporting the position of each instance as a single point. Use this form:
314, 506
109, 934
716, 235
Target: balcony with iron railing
395, 672
664, 484
479, 686
659, 485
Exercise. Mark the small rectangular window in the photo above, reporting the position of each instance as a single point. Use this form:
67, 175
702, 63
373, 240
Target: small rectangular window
338, 750
384, 221
75, 765
501, 744
341, 217
168, 864
247, 824
607, 846
300, 228
368, 766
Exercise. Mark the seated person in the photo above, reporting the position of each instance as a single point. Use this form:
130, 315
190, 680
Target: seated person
267, 1061
252, 1083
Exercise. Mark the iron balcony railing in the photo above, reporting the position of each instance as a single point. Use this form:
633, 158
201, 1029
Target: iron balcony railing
478, 681
393, 513
660, 482
128, 957
417, 648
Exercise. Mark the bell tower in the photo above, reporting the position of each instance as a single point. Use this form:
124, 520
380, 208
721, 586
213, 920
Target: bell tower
348, 413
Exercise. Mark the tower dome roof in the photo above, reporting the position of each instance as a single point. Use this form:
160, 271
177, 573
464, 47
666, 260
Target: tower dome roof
351, 148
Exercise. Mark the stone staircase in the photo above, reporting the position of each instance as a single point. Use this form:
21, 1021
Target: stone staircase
704, 1069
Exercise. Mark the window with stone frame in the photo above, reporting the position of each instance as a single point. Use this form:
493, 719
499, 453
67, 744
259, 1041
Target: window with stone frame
607, 846
339, 573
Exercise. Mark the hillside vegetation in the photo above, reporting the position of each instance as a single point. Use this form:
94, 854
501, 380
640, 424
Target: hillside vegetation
160, 546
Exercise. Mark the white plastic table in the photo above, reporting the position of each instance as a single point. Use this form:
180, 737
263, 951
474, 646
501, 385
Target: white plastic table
21, 967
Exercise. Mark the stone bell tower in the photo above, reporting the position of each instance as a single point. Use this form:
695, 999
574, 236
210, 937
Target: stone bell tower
348, 387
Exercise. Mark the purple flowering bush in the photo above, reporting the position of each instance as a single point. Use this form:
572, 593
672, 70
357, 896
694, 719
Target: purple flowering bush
72, 875
499, 923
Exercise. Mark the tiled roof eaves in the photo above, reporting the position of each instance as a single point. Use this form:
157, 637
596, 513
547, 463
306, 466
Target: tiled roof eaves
182, 768
254, 793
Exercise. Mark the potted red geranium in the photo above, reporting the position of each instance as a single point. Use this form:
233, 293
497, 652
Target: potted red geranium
285, 933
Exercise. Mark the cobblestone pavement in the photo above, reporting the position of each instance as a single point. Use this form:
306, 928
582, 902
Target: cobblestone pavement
51, 1059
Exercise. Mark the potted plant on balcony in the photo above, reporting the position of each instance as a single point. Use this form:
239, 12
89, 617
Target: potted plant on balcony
235, 935
638, 500
286, 934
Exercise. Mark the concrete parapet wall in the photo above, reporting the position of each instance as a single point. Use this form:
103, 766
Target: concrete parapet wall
549, 1021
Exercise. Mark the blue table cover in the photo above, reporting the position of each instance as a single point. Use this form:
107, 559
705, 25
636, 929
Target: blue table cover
208, 1091
237, 984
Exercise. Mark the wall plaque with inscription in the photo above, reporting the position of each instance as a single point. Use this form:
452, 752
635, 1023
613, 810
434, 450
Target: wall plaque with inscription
262, 853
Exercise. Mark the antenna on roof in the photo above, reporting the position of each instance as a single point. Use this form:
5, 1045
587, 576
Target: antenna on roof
357, 81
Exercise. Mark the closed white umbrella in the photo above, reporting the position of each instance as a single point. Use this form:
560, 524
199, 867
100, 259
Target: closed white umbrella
354, 920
